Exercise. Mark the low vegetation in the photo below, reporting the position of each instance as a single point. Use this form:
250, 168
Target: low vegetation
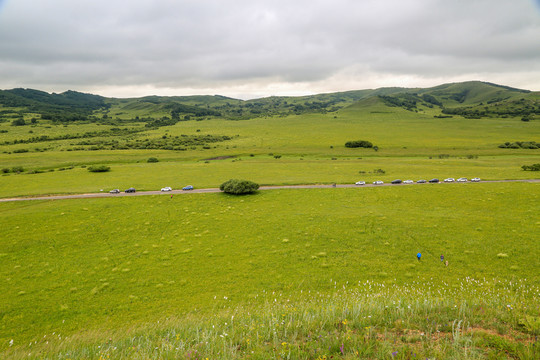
359, 143
520, 145
99, 168
238, 187
533, 167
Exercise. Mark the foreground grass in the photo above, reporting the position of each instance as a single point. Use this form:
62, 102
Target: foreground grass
99, 269
473, 320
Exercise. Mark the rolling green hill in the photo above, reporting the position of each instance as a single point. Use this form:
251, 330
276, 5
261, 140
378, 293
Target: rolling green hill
471, 99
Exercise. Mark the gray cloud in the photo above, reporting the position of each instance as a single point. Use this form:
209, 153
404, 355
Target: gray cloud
253, 47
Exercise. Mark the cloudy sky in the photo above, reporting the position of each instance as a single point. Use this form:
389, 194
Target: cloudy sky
254, 48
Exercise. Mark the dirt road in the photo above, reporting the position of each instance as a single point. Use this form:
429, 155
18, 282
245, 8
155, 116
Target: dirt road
215, 190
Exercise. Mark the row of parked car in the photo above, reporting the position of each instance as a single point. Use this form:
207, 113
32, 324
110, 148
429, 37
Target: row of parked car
433, 181
132, 190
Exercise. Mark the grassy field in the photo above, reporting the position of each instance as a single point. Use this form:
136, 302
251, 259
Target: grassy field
310, 148
78, 272
282, 274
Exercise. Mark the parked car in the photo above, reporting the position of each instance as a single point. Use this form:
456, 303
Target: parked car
397, 181
167, 188
115, 191
449, 180
421, 182
130, 190
189, 187
462, 180
360, 183
475, 179
435, 181
408, 182
378, 182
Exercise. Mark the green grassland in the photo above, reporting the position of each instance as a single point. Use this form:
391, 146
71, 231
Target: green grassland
411, 145
114, 265
307, 274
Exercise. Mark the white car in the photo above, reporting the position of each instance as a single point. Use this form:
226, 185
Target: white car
378, 182
449, 180
360, 183
462, 180
167, 188
475, 179
408, 182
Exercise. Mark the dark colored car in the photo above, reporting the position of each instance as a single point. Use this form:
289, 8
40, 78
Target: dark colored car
189, 187
115, 191
421, 182
397, 181
434, 180
130, 190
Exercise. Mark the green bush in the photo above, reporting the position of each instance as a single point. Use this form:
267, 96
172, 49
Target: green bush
100, 168
238, 187
152, 160
359, 143
17, 169
533, 167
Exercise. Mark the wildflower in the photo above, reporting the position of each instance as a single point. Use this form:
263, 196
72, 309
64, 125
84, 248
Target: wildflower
344, 322
11, 342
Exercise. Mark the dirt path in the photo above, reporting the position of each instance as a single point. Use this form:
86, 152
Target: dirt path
215, 190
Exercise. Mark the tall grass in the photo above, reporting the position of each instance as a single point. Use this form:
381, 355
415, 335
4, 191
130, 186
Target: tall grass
364, 320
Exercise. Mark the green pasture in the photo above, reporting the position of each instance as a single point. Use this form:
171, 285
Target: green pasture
116, 264
265, 170
310, 148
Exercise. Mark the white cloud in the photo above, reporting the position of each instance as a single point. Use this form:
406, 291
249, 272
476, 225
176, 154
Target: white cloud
252, 48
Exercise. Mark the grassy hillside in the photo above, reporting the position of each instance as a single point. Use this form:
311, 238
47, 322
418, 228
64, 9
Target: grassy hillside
115, 266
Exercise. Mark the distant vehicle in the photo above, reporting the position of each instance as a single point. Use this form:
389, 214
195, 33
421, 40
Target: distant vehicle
462, 180
189, 187
475, 179
434, 181
449, 180
378, 182
167, 188
397, 181
360, 183
421, 182
130, 190
115, 191
408, 182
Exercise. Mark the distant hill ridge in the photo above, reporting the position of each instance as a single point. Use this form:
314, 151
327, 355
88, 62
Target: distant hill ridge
470, 99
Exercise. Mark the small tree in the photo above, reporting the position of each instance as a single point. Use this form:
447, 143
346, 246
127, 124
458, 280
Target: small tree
18, 122
239, 187
359, 143
100, 168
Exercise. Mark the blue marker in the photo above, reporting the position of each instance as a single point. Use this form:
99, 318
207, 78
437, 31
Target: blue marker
418, 256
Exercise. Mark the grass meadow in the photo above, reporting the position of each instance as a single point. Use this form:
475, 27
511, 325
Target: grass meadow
310, 149
315, 273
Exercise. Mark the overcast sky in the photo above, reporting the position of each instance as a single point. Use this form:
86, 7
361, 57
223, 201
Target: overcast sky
255, 48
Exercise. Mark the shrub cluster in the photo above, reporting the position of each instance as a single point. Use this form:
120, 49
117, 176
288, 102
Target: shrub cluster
533, 167
358, 143
152, 160
520, 145
99, 168
238, 187
15, 169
